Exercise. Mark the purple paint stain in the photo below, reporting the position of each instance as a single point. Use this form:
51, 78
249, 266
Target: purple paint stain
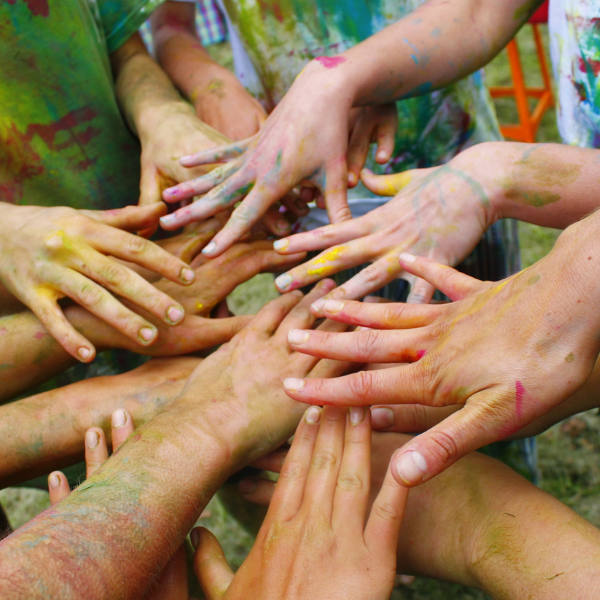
519, 393
331, 62
421, 353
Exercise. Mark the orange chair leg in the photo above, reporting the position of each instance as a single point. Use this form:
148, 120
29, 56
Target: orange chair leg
524, 130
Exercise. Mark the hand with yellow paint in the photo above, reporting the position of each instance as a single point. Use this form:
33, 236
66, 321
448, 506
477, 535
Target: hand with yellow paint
319, 539
506, 352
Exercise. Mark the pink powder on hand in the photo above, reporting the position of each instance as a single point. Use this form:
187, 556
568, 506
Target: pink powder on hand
330, 62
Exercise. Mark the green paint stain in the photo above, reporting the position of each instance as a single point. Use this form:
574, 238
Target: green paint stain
570, 358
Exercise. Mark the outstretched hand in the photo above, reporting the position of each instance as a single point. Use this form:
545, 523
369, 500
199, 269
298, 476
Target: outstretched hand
314, 543
507, 352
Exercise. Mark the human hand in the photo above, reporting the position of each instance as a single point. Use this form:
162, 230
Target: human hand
371, 124
507, 352
314, 542
440, 212
172, 583
54, 253
305, 139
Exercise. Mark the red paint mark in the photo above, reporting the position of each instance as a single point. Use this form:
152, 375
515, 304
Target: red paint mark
519, 393
40, 334
38, 8
19, 160
421, 353
589, 64
331, 62
137, 437
3, 330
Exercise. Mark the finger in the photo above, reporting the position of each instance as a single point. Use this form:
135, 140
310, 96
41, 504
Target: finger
121, 427
353, 484
409, 418
393, 315
218, 199
270, 317
398, 385
336, 192
58, 487
362, 346
358, 149
106, 307
129, 218
383, 527
206, 333
421, 292
295, 205
96, 450
386, 185
218, 154
322, 478
477, 424
210, 565
323, 237
275, 222
386, 135
257, 490
200, 185
449, 281
54, 320
151, 183
273, 461
126, 283
144, 253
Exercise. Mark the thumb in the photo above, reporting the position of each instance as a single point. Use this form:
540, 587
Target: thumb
385, 185
210, 565
213, 332
129, 218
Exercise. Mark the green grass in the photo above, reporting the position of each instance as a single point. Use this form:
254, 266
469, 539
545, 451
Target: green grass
567, 453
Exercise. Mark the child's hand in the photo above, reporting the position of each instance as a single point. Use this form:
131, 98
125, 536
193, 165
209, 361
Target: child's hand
314, 543
172, 583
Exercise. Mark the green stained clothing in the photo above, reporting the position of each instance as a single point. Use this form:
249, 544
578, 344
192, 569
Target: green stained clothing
63, 140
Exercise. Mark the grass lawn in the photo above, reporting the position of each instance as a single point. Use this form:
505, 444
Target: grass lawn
567, 453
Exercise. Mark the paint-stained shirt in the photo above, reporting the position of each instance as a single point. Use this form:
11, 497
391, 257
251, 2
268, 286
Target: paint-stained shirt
282, 36
63, 140
575, 48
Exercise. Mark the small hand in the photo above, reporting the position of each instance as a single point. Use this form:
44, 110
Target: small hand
54, 253
314, 543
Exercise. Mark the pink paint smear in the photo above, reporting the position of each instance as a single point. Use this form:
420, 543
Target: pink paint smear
519, 393
331, 62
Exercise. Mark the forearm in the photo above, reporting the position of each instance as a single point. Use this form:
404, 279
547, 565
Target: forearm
437, 44
45, 432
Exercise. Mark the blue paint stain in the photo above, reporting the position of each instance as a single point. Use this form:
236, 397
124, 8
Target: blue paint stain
413, 56
424, 88
436, 32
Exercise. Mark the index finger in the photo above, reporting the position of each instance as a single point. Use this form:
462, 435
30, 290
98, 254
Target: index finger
216, 155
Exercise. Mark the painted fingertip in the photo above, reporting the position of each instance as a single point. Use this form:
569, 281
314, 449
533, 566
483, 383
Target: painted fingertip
333, 306
293, 384
247, 485
172, 191
119, 418
283, 282
209, 248
298, 336
411, 467
92, 439
195, 537
407, 258
357, 415
187, 275
53, 480
85, 354
175, 315
312, 415
382, 417
147, 335
280, 245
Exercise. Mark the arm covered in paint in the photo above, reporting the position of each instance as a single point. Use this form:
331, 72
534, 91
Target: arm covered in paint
443, 212
219, 98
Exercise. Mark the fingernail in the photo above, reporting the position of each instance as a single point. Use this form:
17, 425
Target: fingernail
357, 415
281, 244
411, 467
168, 219
298, 336
119, 418
53, 481
293, 384
405, 257
195, 538
282, 224
284, 281
352, 178
92, 439
301, 206
333, 306
382, 418
175, 314
382, 155
147, 334
84, 353
172, 190
187, 275
317, 305
312, 415
248, 486
211, 247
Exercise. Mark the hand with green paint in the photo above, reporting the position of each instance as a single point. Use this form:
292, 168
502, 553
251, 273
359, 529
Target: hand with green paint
507, 352
319, 540
57, 252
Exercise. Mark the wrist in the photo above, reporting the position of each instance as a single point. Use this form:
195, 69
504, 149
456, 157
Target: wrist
333, 77
155, 113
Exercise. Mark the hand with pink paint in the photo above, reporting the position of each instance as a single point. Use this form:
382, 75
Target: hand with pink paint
303, 142
319, 540
507, 352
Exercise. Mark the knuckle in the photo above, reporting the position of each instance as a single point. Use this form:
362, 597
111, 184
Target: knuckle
367, 343
115, 274
444, 446
361, 385
323, 460
293, 470
371, 275
90, 295
137, 244
385, 511
349, 482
